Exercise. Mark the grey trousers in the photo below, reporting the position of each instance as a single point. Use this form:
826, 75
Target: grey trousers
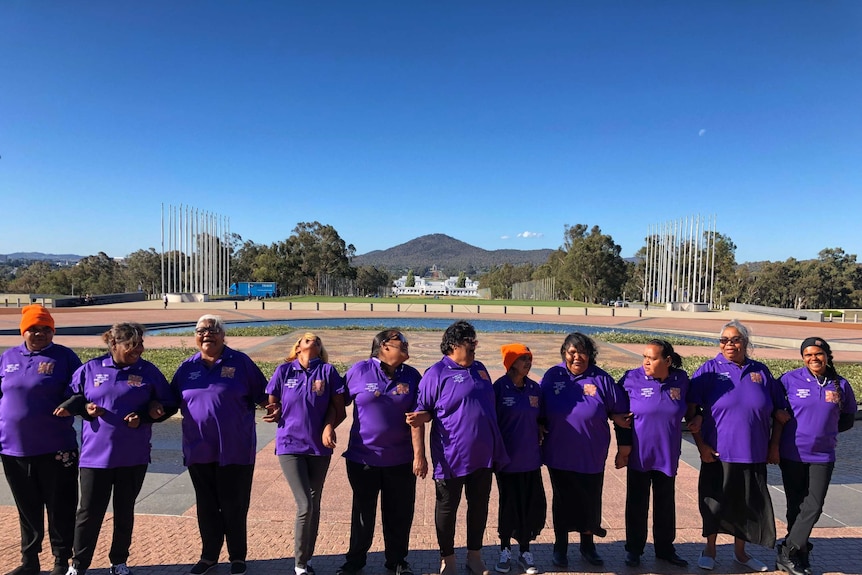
305, 475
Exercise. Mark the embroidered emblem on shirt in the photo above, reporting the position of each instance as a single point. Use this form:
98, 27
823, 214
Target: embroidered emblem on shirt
46, 367
228, 372
484, 375
136, 381
195, 375
13, 367
318, 387
508, 401
291, 383
590, 389
803, 393
371, 387
647, 392
534, 401
100, 378
559, 386
402, 389
832, 396
458, 378
675, 393
757, 377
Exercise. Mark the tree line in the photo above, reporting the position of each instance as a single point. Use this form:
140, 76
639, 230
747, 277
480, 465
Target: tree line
587, 267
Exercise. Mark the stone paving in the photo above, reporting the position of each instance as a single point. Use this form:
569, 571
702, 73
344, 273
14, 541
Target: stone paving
166, 537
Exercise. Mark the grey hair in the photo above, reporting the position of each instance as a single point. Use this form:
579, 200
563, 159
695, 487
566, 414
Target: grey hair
215, 320
743, 331
128, 332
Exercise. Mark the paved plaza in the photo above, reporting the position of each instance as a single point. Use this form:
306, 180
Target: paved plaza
166, 537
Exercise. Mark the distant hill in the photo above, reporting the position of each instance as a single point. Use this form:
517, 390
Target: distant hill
34, 256
449, 255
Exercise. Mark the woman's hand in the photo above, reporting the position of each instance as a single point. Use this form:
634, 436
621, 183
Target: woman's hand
417, 418
94, 410
622, 457
782, 416
273, 412
62, 412
695, 423
156, 410
707, 453
329, 437
773, 457
623, 420
420, 467
133, 420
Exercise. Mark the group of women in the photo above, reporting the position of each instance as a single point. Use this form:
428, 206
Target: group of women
740, 416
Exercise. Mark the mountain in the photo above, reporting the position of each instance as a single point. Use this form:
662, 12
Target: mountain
449, 255
35, 256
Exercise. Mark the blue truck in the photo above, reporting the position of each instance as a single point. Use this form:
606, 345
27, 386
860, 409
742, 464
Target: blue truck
254, 289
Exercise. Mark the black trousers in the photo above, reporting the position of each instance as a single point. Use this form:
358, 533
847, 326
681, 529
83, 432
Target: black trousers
477, 486
396, 486
96, 488
223, 495
638, 485
40, 484
805, 486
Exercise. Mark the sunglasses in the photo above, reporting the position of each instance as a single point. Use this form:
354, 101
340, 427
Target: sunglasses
735, 340
400, 338
206, 330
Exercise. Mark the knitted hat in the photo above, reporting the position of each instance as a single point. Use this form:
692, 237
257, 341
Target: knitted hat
512, 351
35, 315
815, 342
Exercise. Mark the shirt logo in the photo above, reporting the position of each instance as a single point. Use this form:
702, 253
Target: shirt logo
100, 378
508, 401
46, 367
803, 393
402, 389
228, 372
590, 389
484, 375
136, 381
675, 393
647, 392
757, 377
319, 386
534, 401
371, 387
832, 396
13, 367
458, 378
559, 386
195, 375
291, 383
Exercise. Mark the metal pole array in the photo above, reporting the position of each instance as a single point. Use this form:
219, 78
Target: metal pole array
196, 257
679, 261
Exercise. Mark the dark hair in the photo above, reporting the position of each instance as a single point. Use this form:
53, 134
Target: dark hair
129, 333
582, 343
455, 334
667, 351
381, 338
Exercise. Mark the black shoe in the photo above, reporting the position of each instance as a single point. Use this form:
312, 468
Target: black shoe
237, 568
673, 559
592, 557
560, 559
404, 568
61, 566
346, 569
788, 560
202, 567
632, 559
29, 569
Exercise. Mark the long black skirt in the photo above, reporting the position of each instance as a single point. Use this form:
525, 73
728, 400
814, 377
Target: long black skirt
522, 506
577, 501
734, 499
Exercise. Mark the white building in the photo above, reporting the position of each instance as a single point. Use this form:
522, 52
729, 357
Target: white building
428, 287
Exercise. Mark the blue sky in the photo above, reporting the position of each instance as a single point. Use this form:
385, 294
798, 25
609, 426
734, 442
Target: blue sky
494, 122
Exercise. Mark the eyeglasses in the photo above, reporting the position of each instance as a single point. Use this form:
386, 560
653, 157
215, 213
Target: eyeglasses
206, 330
735, 340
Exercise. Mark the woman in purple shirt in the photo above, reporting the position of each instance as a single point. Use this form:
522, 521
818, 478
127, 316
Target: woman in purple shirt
218, 388
523, 505
455, 394
119, 395
578, 398
650, 449
306, 400
385, 455
737, 397
822, 405
39, 450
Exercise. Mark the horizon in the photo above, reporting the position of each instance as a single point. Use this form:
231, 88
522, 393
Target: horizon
496, 123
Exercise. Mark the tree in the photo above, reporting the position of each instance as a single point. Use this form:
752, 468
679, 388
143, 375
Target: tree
369, 280
99, 274
411, 279
588, 267
462, 280
143, 271
31, 278
500, 279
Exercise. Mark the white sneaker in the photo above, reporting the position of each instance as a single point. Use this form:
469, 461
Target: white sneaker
504, 565
71, 571
527, 564
120, 569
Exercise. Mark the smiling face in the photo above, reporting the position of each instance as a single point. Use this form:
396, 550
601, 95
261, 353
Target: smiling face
38, 337
577, 360
127, 352
815, 360
654, 364
521, 366
464, 353
209, 339
733, 345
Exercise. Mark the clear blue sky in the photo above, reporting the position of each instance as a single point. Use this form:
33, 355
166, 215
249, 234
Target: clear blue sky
487, 121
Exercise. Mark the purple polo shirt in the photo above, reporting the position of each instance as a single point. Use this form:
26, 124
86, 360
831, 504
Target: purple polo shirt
657, 410
737, 406
305, 396
518, 410
380, 436
32, 385
812, 434
576, 409
218, 404
107, 441
464, 434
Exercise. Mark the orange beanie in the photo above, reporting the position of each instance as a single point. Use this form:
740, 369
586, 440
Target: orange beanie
35, 315
512, 351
